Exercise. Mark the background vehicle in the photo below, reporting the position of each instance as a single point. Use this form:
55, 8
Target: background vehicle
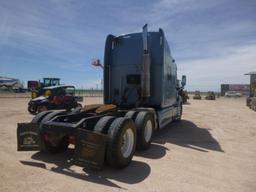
183, 93
232, 94
36, 87
197, 95
251, 100
210, 95
184, 96
11, 84
140, 96
55, 97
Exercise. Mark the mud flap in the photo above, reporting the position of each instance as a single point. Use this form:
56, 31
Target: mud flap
28, 137
89, 149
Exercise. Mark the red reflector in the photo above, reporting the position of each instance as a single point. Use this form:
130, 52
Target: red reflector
71, 140
46, 138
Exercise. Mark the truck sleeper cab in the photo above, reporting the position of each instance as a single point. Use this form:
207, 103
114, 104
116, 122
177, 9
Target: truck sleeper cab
140, 96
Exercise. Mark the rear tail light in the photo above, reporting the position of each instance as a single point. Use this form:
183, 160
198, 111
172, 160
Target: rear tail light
71, 139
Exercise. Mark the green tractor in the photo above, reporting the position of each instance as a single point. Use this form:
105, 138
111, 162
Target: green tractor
36, 87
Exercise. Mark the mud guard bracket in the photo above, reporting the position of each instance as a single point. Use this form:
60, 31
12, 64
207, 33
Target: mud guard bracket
89, 149
28, 137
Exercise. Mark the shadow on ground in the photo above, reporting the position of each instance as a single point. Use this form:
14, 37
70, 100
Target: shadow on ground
183, 133
187, 134
134, 173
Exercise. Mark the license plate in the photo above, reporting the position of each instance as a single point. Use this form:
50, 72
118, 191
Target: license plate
89, 149
28, 137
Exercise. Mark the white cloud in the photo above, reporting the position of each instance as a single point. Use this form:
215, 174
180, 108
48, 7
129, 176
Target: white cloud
211, 72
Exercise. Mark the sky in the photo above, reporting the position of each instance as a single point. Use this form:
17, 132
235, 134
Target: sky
213, 42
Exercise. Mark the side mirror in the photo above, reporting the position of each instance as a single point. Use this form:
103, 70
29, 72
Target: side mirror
184, 80
178, 84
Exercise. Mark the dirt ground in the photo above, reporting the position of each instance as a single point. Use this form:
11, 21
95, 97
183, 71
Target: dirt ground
211, 149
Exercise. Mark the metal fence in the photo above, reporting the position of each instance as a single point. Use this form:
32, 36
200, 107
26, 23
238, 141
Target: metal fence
79, 92
89, 93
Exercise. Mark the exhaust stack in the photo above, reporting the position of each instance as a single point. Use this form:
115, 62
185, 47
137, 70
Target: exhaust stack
145, 75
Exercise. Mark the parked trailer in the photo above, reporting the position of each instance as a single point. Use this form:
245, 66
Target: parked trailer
251, 100
140, 96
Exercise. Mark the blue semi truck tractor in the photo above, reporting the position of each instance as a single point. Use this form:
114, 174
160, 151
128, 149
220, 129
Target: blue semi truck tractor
140, 96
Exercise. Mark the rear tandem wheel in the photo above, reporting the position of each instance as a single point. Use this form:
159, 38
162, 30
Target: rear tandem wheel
145, 125
61, 144
38, 118
121, 142
103, 124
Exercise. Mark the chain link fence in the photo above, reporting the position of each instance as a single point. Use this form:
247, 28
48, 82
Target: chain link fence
79, 92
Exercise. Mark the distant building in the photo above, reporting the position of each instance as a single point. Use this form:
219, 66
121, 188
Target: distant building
244, 89
10, 83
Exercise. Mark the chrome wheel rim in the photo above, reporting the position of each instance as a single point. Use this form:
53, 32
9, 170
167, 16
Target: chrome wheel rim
148, 131
127, 143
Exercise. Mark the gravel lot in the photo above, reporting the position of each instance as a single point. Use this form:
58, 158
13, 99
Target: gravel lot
211, 149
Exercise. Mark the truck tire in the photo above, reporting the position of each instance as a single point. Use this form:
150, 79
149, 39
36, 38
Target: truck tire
103, 124
79, 105
51, 115
62, 145
145, 126
121, 142
40, 116
32, 109
42, 108
131, 114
